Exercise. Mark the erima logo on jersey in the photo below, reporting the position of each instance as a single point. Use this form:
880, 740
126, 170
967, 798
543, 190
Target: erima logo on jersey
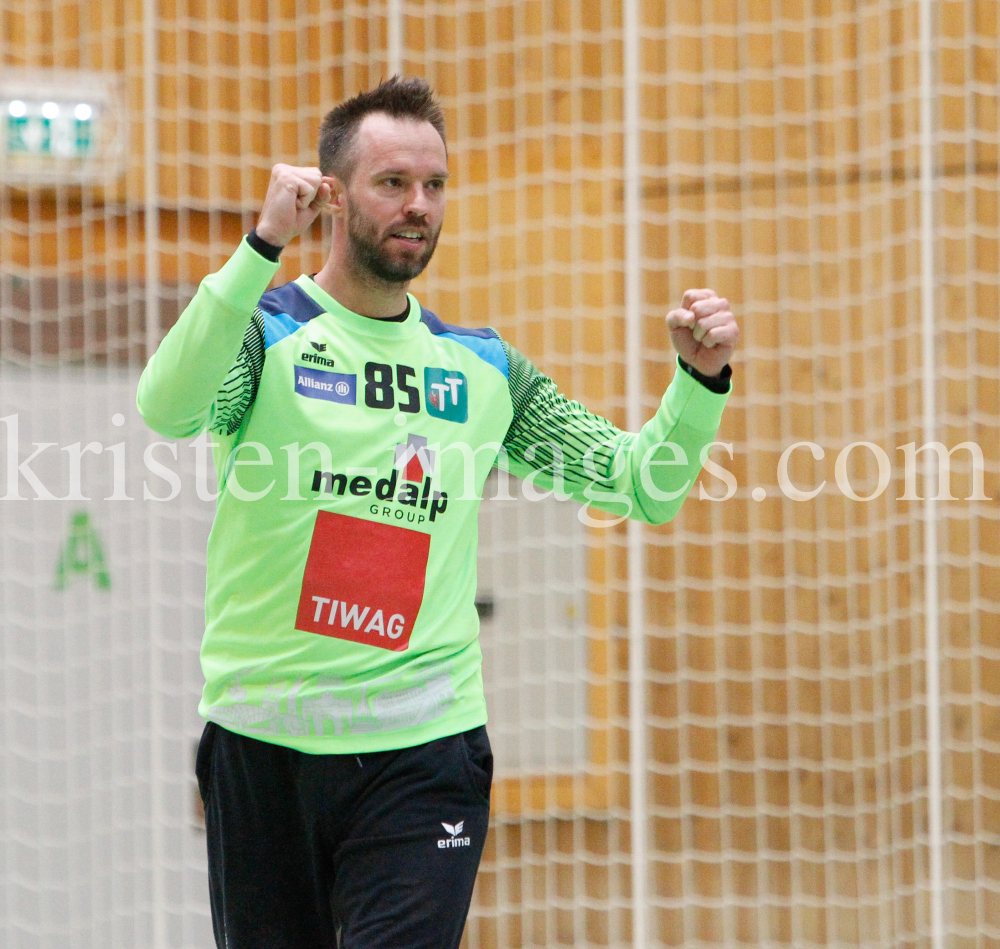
447, 394
454, 840
332, 386
319, 347
316, 358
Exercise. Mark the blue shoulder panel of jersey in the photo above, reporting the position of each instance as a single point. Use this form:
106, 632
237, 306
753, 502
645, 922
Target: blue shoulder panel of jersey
485, 342
285, 309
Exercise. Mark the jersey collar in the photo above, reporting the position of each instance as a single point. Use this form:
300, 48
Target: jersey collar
357, 323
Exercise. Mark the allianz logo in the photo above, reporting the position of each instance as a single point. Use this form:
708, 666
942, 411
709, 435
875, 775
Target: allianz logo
454, 840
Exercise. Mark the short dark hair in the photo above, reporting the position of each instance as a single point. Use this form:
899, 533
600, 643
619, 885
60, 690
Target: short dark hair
409, 98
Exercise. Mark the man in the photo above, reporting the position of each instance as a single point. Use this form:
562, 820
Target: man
345, 767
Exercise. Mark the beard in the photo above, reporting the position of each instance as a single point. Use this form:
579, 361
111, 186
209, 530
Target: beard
367, 248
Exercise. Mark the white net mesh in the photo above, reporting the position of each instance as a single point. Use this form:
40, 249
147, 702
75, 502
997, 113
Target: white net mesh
787, 730
969, 394
786, 692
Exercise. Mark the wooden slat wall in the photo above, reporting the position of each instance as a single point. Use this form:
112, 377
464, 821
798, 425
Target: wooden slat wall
788, 627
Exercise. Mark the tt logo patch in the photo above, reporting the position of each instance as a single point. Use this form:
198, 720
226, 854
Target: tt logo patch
447, 394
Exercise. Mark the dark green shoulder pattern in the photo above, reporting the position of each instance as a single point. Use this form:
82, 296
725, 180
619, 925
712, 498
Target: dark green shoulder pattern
239, 389
545, 423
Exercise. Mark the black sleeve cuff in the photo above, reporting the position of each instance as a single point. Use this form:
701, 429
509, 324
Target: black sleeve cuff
718, 384
268, 251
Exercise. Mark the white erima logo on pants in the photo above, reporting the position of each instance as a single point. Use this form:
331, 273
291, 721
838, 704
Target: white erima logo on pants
454, 840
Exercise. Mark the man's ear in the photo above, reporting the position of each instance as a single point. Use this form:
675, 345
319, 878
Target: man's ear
338, 196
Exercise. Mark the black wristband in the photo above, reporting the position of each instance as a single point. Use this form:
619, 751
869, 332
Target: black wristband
268, 251
718, 384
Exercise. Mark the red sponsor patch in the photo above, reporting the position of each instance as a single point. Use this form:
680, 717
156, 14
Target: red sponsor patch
364, 581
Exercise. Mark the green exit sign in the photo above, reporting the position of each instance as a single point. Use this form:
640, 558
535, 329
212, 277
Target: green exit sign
60, 127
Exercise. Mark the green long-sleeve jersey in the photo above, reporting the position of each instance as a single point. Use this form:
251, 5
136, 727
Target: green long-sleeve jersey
351, 454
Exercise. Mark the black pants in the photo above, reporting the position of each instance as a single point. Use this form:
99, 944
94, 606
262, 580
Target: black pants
370, 851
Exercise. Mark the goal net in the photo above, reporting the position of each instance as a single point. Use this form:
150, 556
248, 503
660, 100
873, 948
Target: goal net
790, 777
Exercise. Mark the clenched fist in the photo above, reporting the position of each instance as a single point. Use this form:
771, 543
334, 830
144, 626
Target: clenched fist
703, 331
294, 199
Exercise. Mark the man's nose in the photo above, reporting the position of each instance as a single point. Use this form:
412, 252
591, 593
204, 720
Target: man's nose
417, 202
